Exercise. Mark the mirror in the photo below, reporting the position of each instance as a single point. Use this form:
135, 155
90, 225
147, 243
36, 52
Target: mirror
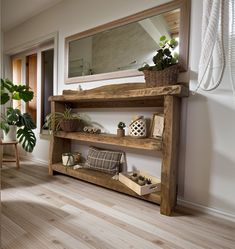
119, 48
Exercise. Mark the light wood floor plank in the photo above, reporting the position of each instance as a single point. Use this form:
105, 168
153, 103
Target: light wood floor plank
40, 211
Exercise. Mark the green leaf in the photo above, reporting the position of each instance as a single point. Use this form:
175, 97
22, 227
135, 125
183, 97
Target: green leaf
167, 52
4, 126
163, 38
26, 121
26, 95
173, 42
12, 115
17, 92
176, 55
16, 96
27, 139
6, 84
4, 98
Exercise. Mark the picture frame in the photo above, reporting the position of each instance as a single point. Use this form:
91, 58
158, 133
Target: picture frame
157, 126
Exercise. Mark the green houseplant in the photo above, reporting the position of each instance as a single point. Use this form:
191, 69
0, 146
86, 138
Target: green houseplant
66, 121
121, 130
165, 69
13, 121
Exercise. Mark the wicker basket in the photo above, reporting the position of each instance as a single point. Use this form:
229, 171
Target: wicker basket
70, 125
168, 76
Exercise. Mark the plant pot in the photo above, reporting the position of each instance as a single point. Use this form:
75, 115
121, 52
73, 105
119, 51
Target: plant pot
68, 159
120, 132
141, 182
11, 135
168, 76
134, 178
70, 125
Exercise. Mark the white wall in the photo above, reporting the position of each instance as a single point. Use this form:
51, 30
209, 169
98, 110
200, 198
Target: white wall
207, 164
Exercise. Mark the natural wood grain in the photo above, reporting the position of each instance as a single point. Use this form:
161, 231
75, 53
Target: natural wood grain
57, 145
104, 180
128, 93
109, 93
112, 139
39, 211
17, 160
117, 103
170, 154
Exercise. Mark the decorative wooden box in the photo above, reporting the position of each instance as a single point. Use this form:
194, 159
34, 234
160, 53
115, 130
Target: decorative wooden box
125, 178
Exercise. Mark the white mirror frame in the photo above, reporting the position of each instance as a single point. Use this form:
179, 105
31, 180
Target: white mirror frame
183, 5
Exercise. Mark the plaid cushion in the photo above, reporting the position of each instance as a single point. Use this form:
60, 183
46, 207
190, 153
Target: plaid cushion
103, 160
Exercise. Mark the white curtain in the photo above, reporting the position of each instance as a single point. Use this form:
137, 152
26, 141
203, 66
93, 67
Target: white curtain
231, 47
218, 43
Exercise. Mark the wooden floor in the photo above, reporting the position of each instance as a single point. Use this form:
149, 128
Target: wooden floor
58, 212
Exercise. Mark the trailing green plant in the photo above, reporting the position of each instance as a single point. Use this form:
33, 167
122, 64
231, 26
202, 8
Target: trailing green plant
165, 56
121, 125
54, 120
13, 116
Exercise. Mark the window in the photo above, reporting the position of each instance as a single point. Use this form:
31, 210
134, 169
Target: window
35, 68
17, 78
47, 82
31, 81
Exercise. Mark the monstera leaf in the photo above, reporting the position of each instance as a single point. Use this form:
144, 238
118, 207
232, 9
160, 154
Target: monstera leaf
27, 139
26, 121
17, 92
13, 115
4, 97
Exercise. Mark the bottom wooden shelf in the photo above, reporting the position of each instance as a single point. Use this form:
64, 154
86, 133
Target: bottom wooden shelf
104, 180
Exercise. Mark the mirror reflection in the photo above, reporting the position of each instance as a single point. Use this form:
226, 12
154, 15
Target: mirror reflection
122, 48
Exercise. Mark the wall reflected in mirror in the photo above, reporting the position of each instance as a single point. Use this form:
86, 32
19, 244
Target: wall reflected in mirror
122, 48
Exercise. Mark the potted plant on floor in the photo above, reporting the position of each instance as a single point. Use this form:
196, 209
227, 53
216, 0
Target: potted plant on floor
165, 69
66, 121
14, 123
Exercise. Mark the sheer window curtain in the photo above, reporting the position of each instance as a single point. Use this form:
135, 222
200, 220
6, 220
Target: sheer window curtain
218, 43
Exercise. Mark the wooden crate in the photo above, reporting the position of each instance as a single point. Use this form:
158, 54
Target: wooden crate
124, 177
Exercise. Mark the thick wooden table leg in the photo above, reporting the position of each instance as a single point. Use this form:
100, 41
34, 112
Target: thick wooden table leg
57, 145
17, 156
170, 154
1, 155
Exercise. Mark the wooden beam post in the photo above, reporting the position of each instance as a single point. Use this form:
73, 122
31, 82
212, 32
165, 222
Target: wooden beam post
57, 145
170, 154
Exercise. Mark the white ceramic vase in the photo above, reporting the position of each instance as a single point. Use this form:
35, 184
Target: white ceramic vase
138, 128
11, 135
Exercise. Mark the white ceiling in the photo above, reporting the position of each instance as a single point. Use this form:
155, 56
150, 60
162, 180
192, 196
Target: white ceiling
15, 12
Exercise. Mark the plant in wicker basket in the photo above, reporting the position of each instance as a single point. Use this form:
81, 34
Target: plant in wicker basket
66, 121
165, 70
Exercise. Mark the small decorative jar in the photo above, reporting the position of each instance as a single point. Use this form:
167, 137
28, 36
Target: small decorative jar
138, 127
121, 130
68, 159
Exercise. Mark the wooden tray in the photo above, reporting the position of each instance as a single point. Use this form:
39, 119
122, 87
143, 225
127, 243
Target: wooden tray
124, 178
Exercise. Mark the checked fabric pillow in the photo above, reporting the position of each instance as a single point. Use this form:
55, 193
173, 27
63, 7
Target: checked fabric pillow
104, 160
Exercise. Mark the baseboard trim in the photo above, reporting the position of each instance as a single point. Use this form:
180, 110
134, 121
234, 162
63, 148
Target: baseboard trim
206, 210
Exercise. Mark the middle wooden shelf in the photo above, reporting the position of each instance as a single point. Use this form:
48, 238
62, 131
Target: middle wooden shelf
151, 144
